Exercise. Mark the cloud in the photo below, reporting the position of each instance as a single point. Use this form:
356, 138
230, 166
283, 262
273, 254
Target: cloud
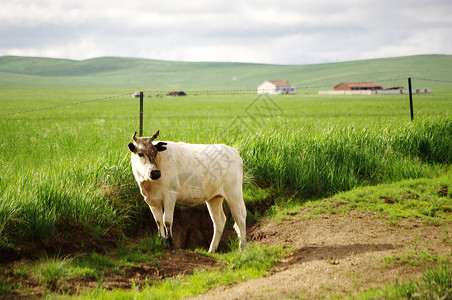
426, 41
283, 32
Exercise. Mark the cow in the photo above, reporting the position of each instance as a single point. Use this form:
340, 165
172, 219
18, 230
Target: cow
190, 174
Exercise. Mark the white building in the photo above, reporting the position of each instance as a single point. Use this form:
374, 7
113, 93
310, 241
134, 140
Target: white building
275, 88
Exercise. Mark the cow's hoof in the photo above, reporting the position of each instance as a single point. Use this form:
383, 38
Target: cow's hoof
170, 243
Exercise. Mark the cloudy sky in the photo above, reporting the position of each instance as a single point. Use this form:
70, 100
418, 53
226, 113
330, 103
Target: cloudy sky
261, 31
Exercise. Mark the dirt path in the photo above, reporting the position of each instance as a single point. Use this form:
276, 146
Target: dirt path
337, 255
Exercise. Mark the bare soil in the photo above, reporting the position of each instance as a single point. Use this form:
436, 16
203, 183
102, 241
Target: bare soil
338, 256
173, 263
332, 255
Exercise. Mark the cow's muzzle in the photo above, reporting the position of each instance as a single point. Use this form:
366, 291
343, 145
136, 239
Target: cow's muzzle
155, 174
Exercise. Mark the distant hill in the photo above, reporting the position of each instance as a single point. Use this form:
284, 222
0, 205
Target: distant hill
146, 74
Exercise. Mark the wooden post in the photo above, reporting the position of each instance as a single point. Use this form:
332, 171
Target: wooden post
411, 98
141, 113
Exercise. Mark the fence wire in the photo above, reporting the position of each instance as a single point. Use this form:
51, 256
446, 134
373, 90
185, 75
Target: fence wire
66, 104
165, 92
119, 126
432, 80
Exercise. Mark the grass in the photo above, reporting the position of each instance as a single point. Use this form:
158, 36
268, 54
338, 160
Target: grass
417, 259
4, 288
110, 72
428, 200
65, 172
145, 251
338, 159
51, 270
67, 169
435, 283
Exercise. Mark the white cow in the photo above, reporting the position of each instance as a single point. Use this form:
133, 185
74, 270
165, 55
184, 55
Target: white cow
189, 174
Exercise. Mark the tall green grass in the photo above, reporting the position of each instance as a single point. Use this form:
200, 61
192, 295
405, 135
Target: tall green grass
64, 195
339, 158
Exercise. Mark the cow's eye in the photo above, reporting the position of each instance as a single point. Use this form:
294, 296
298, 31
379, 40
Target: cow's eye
140, 154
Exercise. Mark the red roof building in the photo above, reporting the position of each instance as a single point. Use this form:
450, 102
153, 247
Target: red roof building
361, 86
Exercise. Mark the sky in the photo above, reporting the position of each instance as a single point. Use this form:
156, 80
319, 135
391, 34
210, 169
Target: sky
292, 32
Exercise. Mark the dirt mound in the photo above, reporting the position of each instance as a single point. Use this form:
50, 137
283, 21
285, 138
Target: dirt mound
193, 228
79, 240
172, 264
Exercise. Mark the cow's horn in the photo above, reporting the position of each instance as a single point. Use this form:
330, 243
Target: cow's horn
156, 134
135, 136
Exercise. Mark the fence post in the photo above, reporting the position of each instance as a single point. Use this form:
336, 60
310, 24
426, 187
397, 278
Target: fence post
141, 113
411, 98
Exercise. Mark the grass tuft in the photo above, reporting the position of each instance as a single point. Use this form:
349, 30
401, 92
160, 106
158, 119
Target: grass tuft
435, 283
4, 288
51, 270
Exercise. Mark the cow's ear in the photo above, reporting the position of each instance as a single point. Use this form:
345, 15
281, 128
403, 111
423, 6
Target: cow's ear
160, 146
132, 147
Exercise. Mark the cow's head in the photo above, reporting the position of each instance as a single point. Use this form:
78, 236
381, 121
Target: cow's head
144, 154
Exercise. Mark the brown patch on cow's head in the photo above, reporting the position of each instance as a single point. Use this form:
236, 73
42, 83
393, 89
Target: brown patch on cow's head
146, 153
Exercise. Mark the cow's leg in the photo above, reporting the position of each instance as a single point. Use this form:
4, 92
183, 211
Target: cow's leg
215, 206
238, 210
168, 219
157, 211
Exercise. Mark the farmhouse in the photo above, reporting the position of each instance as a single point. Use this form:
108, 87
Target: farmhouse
275, 88
361, 86
370, 88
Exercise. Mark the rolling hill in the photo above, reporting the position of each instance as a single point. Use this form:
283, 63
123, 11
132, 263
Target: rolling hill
113, 72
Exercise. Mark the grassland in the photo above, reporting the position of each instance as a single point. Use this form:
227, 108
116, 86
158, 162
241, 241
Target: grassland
65, 170
67, 167
142, 74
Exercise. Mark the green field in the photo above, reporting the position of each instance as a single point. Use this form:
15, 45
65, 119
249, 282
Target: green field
144, 74
68, 167
65, 127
